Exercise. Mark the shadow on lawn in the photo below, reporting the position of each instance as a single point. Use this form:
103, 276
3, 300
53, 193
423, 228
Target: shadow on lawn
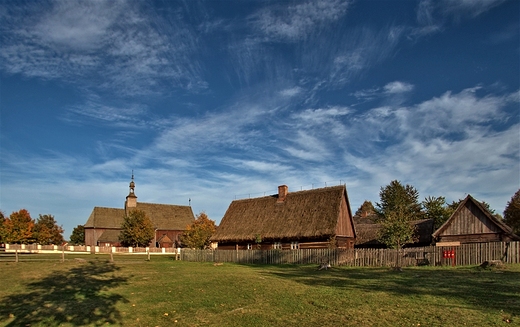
77, 296
497, 290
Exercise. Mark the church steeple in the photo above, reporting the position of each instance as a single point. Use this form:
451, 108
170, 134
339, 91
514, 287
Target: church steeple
131, 199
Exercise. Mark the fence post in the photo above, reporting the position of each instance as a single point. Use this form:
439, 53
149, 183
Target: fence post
16, 256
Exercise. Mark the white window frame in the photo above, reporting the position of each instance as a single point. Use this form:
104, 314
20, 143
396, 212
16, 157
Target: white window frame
277, 245
249, 246
295, 245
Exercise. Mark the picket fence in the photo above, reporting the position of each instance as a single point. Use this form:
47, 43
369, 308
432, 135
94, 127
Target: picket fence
465, 254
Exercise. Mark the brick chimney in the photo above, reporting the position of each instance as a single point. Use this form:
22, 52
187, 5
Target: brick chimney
282, 193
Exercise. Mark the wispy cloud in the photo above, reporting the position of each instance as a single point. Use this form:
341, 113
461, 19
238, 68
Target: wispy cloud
293, 23
114, 41
469, 7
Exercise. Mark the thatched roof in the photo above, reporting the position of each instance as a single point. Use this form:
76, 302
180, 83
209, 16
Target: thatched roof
304, 214
494, 220
367, 234
163, 216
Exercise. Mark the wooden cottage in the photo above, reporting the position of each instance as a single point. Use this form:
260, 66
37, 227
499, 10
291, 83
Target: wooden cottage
170, 221
472, 223
318, 218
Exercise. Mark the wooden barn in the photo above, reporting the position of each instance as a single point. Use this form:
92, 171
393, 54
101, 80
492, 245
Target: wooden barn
367, 233
170, 221
472, 223
318, 218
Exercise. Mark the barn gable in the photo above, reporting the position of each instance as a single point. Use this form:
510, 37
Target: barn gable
470, 223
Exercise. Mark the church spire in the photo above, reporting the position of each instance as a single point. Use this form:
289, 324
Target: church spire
131, 199
132, 184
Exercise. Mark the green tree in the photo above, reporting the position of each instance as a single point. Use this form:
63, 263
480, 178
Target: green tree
365, 210
436, 208
396, 230
19, 228
197, 234
137, 229
398, 208
512, 213
46, 231
78, 235
396, 198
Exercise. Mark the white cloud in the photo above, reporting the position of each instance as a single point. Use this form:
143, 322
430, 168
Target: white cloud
291, 92
397, 87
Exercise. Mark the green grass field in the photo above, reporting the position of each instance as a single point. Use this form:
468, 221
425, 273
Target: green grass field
164, 292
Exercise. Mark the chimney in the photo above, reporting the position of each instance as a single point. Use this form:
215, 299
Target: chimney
282, 193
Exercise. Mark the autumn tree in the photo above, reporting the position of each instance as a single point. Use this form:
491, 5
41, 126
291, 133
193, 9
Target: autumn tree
78, 235
137, 229
46, 231
512, 213
19, 228
197, 234
437, 209
3, 231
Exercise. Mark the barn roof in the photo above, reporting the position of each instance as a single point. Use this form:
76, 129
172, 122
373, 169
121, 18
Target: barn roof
303, 214
163, 216
500, 224
367, 233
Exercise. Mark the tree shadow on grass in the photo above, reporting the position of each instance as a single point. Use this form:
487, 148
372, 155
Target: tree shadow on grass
483, 289
78, 296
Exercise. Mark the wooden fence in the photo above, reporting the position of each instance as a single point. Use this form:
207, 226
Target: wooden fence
465, 254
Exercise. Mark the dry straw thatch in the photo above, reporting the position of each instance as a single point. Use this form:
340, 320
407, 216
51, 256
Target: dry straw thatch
304, 214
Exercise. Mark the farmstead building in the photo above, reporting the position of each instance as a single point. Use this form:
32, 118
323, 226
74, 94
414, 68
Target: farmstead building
318, 218
472, 223
169, 221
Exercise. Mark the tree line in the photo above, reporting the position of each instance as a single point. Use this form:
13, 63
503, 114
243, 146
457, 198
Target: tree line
136, 230
20, 228
399, 206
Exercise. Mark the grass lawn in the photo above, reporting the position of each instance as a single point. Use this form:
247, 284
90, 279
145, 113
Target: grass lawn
164, 292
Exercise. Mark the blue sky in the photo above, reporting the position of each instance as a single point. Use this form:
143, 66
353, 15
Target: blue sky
218, 100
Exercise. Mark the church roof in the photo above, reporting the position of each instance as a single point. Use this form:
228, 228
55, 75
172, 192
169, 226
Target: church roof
163, 216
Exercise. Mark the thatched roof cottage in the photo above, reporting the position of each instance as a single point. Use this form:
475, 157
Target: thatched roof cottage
170, 221
317, 218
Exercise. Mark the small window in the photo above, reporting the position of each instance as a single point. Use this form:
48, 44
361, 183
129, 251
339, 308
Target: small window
277, 245
294, 245
249, 246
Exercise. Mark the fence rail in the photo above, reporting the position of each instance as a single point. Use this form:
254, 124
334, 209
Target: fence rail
465, 254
